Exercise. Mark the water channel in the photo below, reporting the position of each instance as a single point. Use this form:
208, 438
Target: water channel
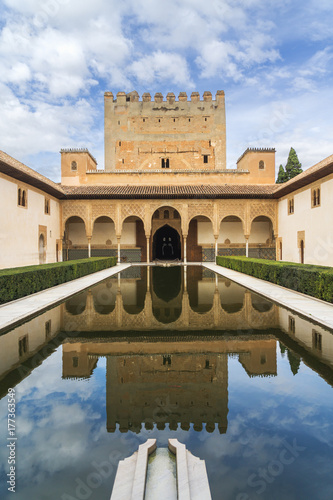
169, 353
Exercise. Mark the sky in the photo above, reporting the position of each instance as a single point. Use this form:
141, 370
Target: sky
273, 59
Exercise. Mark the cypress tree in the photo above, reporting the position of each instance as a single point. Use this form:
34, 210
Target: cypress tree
281, 175
293, 167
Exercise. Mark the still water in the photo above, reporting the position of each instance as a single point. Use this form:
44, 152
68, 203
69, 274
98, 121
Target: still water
169, 353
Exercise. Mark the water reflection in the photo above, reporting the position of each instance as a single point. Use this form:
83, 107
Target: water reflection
167, 346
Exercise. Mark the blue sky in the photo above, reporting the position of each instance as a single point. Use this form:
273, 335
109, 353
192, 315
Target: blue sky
273, 58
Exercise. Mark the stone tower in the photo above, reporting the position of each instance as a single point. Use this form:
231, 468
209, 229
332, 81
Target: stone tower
180, 135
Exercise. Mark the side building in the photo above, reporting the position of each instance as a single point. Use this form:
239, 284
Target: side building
30, 216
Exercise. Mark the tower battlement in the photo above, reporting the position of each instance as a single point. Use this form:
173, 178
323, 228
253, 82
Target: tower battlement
123, 98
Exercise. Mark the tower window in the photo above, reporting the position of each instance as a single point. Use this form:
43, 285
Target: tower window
167, 360
119, 143
165, 163
205, 158
75, 361
74, 166
261, 165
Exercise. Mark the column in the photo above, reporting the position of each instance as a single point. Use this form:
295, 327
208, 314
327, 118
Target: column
118, 245
148, 248
185, 249
185, 278
89, 246
247, 245
216, 246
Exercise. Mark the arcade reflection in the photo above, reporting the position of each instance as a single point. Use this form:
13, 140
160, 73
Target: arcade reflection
167, 335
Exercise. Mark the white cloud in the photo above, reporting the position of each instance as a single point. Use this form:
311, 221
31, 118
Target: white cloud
162, 66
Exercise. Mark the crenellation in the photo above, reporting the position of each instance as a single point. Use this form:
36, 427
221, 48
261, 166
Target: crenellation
182, 96
195, 97
146, 97
158, 97
171, 97
207, 96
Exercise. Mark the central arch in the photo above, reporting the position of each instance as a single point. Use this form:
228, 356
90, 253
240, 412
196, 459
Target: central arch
166, 244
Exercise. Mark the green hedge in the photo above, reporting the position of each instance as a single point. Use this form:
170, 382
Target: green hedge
316, 281
21, 281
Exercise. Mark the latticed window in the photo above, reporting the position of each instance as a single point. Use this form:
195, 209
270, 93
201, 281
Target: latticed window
261, 165
74, 166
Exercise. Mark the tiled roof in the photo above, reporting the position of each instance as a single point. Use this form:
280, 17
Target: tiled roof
21, 172
141, 192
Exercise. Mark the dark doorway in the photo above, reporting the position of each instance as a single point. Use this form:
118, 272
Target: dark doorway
166, 244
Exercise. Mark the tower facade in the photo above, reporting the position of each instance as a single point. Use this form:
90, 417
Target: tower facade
149, 135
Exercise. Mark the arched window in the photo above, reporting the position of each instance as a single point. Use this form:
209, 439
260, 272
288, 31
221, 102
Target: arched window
261, 165
24, 199
19, 194
166, 214
74, 166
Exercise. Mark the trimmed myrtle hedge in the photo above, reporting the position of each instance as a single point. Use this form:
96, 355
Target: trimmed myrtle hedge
21, 281
316, 281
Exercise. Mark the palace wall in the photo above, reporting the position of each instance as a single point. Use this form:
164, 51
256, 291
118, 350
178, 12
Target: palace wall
24, 221
307, 222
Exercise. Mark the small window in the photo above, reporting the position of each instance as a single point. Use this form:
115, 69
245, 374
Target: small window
189, 119
21, 197
316, 340
165, 163
290, 206
263, 359
118, 122
261, 165
316, 197
143, 119
47, 210
207, 363
205, 119
23, 346
75, 361
291, 324
174, 120
74, 166
166, 214
205, 158
167, 360
24, 198
159, 120
119, 143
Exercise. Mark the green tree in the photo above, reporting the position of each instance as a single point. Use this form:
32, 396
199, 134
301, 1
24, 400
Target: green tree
294, 361
293, 167
281, 176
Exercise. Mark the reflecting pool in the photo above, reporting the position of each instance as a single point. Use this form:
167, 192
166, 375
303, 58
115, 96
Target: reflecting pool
174, 352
